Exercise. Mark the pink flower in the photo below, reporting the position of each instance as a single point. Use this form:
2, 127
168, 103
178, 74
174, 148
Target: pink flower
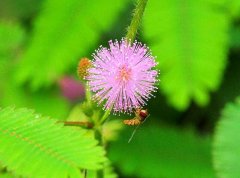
122, 77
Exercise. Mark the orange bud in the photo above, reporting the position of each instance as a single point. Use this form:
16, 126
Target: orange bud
83, 66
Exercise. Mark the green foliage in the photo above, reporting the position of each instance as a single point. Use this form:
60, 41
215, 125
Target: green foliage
162, 152
11, 36
7, 175
190, 40
235, 37
233, 7
36, 146
81, 113
62, 36
46, 101
10, 9
226, 150
108, 172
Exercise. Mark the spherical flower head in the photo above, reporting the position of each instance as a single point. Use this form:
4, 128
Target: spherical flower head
122, 77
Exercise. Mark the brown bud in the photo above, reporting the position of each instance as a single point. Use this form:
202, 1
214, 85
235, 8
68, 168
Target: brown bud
83, 66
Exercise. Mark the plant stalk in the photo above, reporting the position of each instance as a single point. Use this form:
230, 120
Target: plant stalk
105, 116
136, 20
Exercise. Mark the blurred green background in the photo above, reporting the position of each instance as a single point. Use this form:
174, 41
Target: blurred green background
197, 44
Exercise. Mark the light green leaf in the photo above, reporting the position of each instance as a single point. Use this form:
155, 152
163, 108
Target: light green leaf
35, 146
162, 152
6, 175
226, 150
11, 38
233, 7
11, 35
78, 114
107, 171
190, 41
48, 102
65, 31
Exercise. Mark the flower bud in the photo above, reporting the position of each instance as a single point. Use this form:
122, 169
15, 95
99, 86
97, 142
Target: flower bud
83, 66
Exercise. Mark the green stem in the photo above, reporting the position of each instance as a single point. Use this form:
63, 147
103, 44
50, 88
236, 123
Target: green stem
105, 116
136, 20
98, 136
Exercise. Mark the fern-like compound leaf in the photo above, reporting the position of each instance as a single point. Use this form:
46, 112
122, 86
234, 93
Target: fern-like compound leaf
35, 146
226, 150
190, 40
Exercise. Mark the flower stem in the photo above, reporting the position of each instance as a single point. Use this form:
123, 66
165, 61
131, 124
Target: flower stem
136, 20
105, 116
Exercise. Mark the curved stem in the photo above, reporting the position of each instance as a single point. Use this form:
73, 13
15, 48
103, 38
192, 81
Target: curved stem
86, 124
136, 20
105, 116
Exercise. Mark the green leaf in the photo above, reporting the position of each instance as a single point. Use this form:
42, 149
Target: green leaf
7, 175
49, 102
233, 8
162, 152
108, 172
11, 35
78, 113
11, 38
190, 41
9, 9
35, 146
65, 31
226, 150
235, 37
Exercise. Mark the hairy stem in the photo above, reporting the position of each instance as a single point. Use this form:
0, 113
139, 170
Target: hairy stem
136, 20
